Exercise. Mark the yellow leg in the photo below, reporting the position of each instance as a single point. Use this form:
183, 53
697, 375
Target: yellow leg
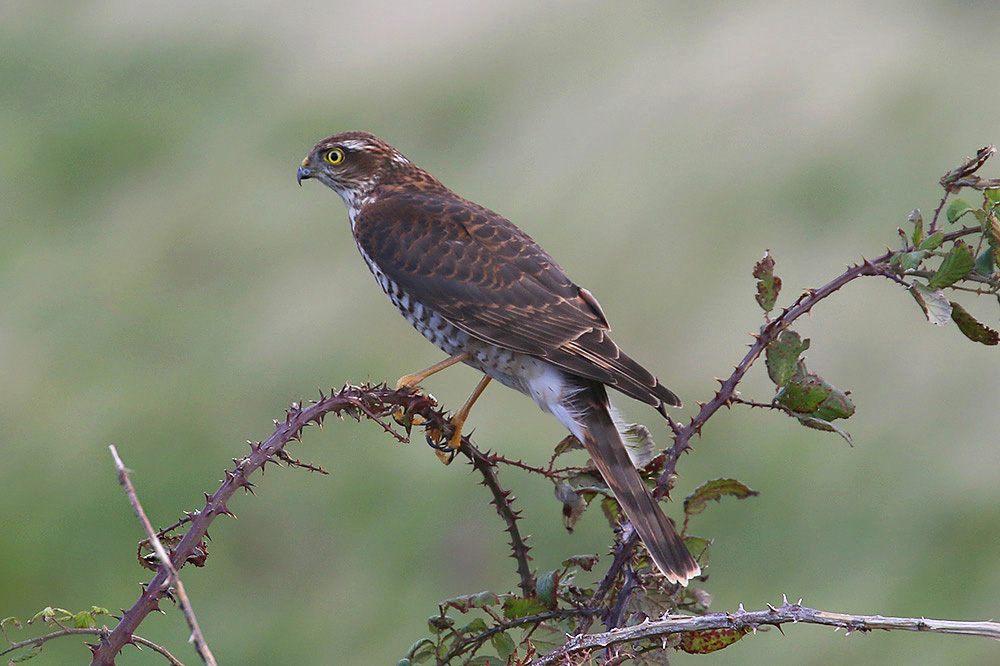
417, 377
410, 381
447, 452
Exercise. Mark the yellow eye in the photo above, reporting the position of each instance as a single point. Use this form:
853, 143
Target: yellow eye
334, 156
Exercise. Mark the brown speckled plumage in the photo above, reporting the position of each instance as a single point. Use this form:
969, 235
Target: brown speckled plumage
471, 281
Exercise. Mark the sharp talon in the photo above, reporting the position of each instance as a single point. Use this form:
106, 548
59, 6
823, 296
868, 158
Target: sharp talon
445, 450
434, 441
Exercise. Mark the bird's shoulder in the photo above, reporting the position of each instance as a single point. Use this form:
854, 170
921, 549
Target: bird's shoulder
438, 234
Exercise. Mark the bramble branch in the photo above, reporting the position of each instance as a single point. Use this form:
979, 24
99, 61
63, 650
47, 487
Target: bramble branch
502, 500
742, 621
376, 403
101, 632
351, 400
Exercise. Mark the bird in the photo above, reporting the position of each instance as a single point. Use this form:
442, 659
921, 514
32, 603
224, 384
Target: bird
482, 291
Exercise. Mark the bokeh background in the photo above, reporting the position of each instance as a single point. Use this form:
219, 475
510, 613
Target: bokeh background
165, 286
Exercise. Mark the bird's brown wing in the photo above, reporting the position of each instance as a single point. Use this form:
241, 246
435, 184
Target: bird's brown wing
489, 279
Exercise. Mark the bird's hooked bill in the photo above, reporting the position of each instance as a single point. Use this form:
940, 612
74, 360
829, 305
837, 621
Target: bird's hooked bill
303, 174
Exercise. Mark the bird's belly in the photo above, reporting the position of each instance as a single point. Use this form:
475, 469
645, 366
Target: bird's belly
550, 387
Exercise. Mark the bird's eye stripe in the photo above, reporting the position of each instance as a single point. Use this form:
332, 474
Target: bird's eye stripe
334, 156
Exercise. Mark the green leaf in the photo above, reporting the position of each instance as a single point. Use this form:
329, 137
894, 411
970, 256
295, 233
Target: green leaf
908, 260
957, 264
699, 548
986, 262
568, 443
936, 307
992, 196
715, 490
421, 651
515, 607
782, 355
546, 636
588, 480
836, 406
710, 640
612, 511
768, 284
810, 395
503, 644
440, 623
477, 626
32, 652
971, 327
49, 613
84, 620
932, 242
918, 225
573, 504
13, 621
546, 587
404, 662
585, 562
957, 209
803, 394
469, 601
993, 236
826, 426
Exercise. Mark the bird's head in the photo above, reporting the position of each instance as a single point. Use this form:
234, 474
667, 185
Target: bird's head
351, 164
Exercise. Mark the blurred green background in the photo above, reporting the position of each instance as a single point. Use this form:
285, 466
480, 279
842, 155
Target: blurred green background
165, 286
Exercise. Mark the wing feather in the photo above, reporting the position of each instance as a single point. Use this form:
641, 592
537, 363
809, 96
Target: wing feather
489, 279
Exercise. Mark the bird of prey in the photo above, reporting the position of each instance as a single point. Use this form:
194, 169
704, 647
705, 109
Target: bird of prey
487, 295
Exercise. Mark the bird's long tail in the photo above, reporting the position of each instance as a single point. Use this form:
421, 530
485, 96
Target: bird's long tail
604, 444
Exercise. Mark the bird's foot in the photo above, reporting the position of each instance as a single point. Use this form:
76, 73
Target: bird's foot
445, 449
405, 418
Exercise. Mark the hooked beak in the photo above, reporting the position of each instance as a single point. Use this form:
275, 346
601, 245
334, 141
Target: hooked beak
303, 174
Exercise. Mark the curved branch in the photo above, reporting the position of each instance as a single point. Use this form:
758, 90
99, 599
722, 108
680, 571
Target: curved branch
357, 401
91, 631
682, 433
744, 621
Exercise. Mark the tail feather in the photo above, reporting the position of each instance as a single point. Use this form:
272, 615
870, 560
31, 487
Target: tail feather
604, 444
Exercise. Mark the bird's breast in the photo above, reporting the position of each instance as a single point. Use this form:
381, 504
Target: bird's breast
545, 383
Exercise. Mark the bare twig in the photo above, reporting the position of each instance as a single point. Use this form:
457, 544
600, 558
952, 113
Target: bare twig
743, 621
200, 644
89, 631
